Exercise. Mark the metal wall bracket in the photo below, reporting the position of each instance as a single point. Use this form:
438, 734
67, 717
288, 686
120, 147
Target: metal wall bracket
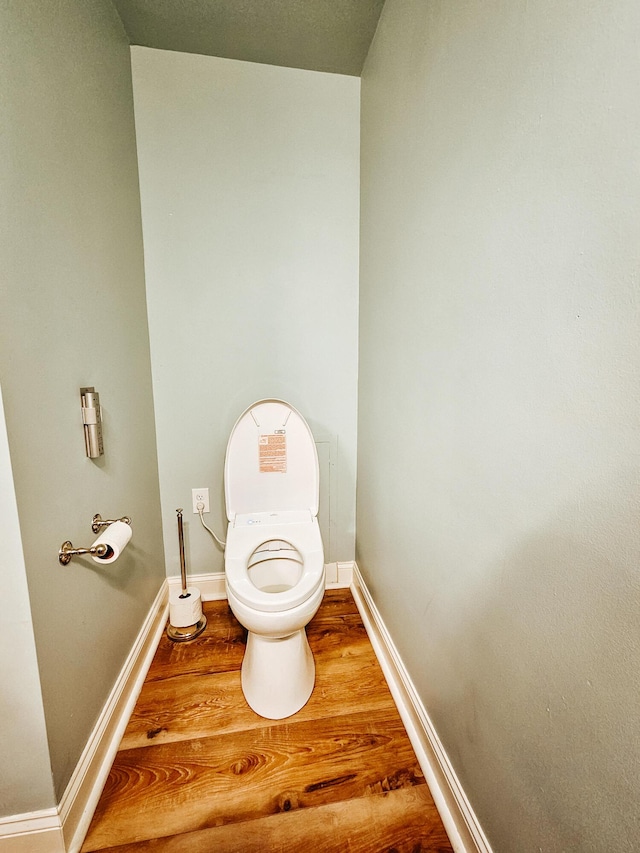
67, 551
98, 522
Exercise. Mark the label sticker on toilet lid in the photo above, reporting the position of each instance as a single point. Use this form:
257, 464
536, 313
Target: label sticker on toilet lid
272, 453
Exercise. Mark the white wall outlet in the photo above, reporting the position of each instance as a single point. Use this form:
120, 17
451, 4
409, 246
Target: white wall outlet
200, 496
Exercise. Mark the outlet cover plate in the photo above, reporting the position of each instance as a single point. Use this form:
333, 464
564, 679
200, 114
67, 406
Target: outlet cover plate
200, 496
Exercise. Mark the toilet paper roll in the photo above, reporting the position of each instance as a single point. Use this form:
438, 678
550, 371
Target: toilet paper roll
116, 537
187, 611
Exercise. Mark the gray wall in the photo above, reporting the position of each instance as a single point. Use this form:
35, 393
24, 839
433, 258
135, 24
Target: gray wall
25, 772
499, 402
73, 313
249, 179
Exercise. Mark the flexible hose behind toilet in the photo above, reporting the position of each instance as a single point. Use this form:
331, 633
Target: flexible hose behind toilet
200, 508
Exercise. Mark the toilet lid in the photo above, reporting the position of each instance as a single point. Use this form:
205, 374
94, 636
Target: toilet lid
271, 462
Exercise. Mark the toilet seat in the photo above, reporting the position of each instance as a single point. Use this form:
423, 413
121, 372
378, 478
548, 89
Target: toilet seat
271, 462
271, 493
249, 532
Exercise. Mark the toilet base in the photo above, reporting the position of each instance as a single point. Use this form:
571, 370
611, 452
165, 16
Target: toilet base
278, 674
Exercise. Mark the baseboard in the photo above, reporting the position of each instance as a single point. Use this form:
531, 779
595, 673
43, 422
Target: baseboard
35, 832
339, 575
83, 791
211, 586
459, 819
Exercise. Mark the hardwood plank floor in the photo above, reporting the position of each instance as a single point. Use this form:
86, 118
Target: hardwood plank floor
199, 771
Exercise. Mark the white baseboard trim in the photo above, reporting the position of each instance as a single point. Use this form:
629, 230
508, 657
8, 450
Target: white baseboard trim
458, 817
339, 575
81, 796
34, 832
212, 588
211, 585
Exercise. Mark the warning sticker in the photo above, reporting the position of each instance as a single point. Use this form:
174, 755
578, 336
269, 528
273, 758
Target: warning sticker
273, 454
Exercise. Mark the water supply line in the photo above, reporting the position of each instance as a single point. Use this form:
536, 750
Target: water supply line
200, 508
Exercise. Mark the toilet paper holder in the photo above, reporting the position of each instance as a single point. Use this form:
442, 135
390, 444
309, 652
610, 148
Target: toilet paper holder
98, 522
67, 551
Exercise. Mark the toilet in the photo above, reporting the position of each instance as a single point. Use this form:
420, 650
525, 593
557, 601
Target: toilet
274, 559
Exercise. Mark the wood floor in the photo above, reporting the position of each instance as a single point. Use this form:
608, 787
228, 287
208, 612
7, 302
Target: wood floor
199, 772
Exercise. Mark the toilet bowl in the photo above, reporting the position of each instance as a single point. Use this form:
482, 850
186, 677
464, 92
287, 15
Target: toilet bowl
274, 559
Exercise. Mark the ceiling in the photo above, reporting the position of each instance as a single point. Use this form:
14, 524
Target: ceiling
320, 35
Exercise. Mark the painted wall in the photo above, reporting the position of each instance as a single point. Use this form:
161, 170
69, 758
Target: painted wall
73, 314
249, 185
25, 773
499, 399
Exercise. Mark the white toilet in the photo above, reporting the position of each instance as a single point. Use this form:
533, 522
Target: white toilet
274, 560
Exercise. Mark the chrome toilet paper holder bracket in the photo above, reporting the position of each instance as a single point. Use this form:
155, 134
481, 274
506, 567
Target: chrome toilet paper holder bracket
98, 522
67, 551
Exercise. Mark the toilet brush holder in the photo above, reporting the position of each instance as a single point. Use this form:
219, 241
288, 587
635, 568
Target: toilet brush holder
186, 620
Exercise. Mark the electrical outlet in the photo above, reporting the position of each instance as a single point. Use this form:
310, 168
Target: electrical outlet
200, 496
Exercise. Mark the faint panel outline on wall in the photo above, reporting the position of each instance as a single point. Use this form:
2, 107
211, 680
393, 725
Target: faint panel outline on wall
327, 447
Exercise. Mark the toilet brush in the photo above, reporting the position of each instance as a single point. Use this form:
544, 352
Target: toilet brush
186, 619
